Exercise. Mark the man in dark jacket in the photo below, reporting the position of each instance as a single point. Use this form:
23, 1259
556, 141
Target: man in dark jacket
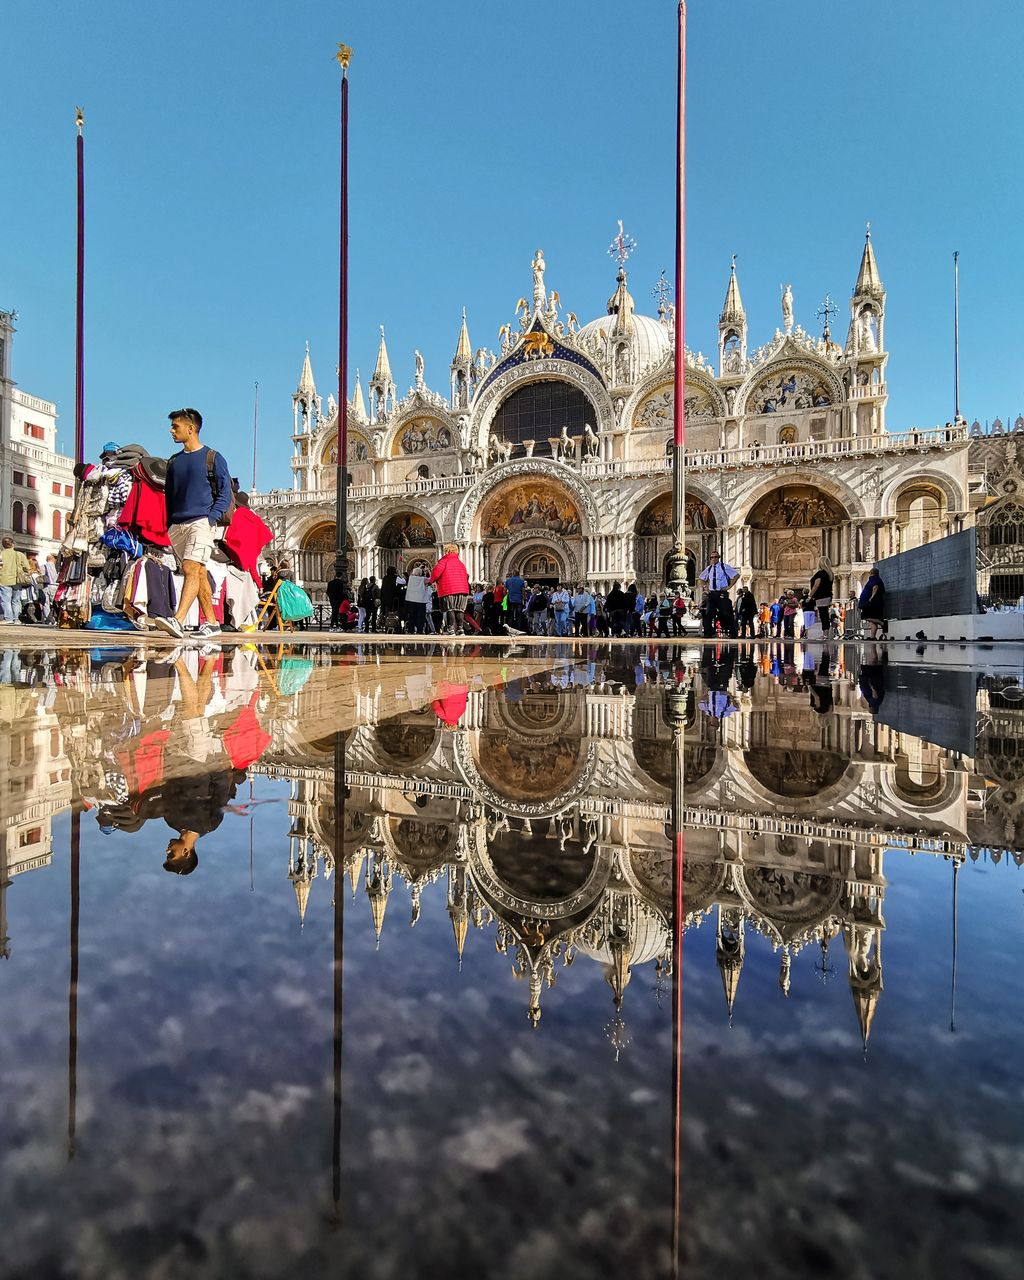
197, 495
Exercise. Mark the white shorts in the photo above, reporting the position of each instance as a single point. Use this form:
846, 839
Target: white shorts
192, 541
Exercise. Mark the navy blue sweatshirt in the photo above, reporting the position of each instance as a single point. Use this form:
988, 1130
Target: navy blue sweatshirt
188, 492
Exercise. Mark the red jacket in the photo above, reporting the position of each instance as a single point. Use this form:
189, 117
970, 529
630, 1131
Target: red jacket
451, 576
450, 703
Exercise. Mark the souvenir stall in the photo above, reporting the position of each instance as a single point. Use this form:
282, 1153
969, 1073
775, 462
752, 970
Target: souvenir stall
116, 570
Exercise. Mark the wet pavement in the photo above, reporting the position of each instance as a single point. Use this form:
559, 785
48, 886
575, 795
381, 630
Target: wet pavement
565, 960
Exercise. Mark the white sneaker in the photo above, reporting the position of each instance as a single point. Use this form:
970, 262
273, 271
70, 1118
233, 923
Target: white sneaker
170, 626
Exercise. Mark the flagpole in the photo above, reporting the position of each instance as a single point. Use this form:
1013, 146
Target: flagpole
255, 427
956, 336
344, 57
80, 297
676, 567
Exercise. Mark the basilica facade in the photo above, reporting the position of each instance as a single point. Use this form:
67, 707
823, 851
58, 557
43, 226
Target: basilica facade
551, 456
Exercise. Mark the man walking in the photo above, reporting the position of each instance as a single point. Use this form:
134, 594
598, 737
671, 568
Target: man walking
198, 493
514, 588
13, 566
718, 578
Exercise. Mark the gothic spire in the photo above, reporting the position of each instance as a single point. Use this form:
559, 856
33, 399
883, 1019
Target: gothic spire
732, 310
358, 403
869, 282
382, 371
463, 350
306, 387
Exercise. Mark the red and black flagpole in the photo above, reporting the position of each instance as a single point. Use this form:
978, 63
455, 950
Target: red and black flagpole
344, 56
80, 298
677, 559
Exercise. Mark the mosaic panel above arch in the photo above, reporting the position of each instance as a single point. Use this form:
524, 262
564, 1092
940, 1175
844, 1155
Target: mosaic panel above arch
530, 503
796, 506
788, 389
421, 436
657, 518
407, 529
657, 409
358, 449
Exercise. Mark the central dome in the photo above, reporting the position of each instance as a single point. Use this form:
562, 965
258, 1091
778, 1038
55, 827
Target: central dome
622, 331
648, 338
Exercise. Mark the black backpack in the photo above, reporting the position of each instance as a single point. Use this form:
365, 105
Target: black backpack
211, 460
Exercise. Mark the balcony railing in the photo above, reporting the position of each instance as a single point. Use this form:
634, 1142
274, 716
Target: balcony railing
756, 455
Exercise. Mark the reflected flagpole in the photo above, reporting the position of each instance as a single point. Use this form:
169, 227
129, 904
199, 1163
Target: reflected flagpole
76, 844
340, 795
344, 57
676, 568
952, 981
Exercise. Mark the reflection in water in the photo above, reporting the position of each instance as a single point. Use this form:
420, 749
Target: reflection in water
527, 803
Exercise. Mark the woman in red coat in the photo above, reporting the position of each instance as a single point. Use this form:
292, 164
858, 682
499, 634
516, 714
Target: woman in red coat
452, 581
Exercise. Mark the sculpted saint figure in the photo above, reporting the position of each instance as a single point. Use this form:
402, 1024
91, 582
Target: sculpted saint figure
419, 369
539, 267
787, 307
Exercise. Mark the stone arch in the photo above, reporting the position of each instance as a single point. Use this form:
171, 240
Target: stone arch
517, 551
652, 533
407, 418
781, 364
555, 471
544, 370
828, 484
554, 802
395, 510
315, 551
662, 378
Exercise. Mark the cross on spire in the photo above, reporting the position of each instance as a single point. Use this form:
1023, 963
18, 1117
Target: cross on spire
825, 312
621, 247
663, 291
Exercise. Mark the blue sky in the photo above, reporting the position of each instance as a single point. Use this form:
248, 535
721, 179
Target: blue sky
478, 133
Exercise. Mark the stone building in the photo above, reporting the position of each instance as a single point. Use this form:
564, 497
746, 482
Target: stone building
552, 455
997, 457
37, 487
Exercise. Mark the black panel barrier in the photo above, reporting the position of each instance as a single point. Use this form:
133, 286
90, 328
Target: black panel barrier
932, 581
937, 705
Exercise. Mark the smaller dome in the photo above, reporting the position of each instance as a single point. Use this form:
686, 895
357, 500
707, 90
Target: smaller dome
649, 341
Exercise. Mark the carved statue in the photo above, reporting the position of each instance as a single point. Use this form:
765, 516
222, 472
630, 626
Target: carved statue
505, 338
523, 313
553, 301
539, 267
475, 458
572, 324
499, 450
866, 331
591, 447
566, 447
787, 307
419, 371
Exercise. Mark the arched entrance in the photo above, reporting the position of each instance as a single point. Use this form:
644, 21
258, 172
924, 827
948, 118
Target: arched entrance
653, 538
315, 560
920, 515
791, 528
405, 539
532, 524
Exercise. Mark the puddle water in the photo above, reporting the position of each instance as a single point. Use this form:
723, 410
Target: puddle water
367, 963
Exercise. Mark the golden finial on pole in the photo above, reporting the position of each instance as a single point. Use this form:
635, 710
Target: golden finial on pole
79, 118
344, 55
